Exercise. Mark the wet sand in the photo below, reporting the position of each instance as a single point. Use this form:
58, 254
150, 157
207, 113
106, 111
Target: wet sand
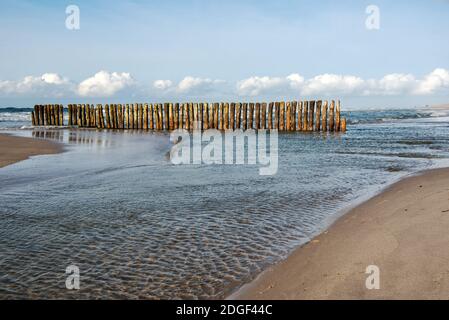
404, 231
14, 149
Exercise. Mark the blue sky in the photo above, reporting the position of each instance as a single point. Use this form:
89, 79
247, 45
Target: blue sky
225, 50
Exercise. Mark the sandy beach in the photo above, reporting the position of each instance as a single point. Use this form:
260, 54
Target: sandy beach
14, 149
403, 231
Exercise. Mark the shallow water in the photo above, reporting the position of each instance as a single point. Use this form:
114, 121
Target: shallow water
138, 226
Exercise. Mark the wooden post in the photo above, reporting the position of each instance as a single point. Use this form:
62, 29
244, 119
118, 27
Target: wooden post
305, 115
294, 109
87, 115
175, 116
337, 116
263, 116
245, 116
205, 112
108, 117
185, 116
257, 117
56, 107
288, 117
151, 116
226, 116
331, 116
180, 116
324, 116
232, 116
53, 118
276, 116
195, 116
251, 116
238, 112
318, 115
270, 115
343, 125
220, 116
282, 116
299, 124
211, 115
170, 124
41, 115
311, 114
61, 115
35, 117
190, 113
145, 116
160, 120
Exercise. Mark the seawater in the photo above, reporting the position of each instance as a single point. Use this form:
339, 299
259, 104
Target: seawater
138, 226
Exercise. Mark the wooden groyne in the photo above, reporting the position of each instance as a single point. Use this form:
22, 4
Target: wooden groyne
283, 116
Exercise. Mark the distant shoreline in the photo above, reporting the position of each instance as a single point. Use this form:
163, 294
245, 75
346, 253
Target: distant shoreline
402, 230
14, 149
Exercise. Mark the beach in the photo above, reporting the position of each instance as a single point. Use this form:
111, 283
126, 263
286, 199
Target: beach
14, 149
402, 230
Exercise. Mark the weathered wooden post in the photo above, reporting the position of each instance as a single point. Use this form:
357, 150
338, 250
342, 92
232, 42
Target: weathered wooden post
160, 115
238, 112
56, 112
205, 116
226, 116
175, 115
232, 116
299, 122
257, 116
288, 117
305, 116
270, 115
150, 116
181, 116
61, 115
245, 116
263, 118
337, 116
276, 115
170, 124
343, 125
324, 116
251, 116
108, 116
41, 115
318, 115
282, 116
331, 116
311, 114
294, 109
145, 116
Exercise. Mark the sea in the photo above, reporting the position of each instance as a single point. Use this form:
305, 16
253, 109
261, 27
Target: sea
136, 226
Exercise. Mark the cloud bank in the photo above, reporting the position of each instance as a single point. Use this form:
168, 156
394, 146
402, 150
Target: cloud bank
110, 84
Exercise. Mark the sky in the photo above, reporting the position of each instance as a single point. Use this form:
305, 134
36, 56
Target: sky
246, 50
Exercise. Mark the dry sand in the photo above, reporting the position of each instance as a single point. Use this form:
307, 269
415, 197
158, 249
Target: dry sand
14, 149
404, 231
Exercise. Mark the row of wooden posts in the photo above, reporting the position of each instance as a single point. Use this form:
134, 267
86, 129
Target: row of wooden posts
48, 115
284, 116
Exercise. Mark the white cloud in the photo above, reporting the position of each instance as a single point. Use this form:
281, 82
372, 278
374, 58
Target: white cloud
333, 84
191, 84
438, 79
104, 84
345, 85
162, 84
46, 85
254, 86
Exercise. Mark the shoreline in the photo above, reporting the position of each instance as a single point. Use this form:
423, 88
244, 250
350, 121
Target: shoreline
397, 229
14, 149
